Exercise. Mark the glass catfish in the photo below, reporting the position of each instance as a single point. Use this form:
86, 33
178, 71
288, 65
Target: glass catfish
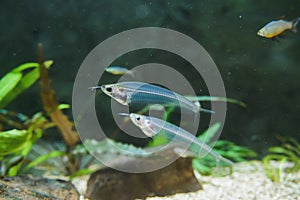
151, 126
138, 94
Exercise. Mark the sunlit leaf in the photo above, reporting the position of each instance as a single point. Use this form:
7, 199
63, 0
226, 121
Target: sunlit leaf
7, 84
13, 140
63, 106
24, 82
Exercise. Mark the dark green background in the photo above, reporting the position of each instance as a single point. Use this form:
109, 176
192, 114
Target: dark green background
262, 72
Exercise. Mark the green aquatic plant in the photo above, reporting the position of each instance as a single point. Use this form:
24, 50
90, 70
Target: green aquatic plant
56, 158
287, 157
70, 161
18, 80
224, 148
23, 132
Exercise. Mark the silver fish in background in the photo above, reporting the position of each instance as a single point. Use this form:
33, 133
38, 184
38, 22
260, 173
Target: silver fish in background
118, 70
139, 93
276, 27
152, 126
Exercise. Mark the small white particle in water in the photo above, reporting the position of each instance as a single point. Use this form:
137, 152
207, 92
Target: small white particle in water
240, 16
229, 73
14, 54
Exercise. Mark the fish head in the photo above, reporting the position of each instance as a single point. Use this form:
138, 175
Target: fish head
116, 92
140, 120
144, 123
262, 32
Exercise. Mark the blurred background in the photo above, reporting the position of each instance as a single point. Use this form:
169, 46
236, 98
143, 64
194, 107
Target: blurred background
262, 72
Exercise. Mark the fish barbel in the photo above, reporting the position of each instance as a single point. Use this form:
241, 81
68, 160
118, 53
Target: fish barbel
139, 93
152, 126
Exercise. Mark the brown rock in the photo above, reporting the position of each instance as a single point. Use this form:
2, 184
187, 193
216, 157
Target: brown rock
22, 187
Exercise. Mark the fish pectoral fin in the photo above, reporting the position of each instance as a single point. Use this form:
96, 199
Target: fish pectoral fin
93, 88
276, 39
184, 153
207, 111
295, 24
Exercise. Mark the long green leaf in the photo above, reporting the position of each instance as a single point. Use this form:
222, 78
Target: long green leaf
43, 158
13, 140
24, 82
212, 98
207, 135
81, 172
199, 166
25, 66
7, 84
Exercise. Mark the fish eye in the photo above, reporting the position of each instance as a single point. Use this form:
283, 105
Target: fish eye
138, 118
109, 89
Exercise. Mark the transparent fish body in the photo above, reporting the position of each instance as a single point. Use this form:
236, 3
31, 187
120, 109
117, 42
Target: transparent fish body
137, 94
152, 126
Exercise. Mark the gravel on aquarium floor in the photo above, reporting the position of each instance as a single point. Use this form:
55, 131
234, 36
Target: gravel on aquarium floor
248, 181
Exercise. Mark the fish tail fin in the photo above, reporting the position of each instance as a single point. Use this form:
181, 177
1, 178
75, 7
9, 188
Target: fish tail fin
220, 169
197, 103
196, 118
228, 162
131, 73
295, 24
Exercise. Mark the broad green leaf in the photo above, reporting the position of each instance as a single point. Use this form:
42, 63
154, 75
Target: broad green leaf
24, 82
43, 158
13, 140
207, 135
13, 171
7, 84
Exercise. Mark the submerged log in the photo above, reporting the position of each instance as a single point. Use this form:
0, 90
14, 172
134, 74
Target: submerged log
109, 183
